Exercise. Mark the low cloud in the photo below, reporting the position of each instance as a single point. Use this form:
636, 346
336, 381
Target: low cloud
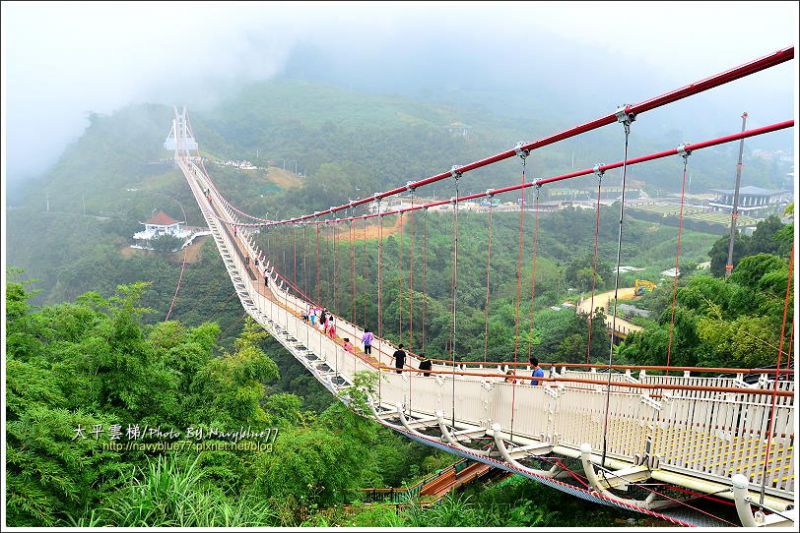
64, 60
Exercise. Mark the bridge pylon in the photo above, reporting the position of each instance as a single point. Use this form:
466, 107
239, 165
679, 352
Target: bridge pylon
181, 138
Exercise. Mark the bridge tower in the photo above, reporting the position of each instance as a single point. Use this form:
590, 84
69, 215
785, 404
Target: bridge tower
181, 138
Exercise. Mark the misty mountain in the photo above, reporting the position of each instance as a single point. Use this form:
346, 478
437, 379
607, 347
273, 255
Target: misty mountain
553, 79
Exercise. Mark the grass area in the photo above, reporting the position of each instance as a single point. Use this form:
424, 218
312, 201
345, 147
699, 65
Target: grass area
695, 213
284, 179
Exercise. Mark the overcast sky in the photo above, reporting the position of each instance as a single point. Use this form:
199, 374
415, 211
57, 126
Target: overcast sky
63, 60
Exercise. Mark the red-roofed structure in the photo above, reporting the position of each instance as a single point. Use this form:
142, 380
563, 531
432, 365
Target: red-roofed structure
161, 219
162, 224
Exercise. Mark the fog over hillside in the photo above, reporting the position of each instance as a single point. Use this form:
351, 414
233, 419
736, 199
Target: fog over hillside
519, 61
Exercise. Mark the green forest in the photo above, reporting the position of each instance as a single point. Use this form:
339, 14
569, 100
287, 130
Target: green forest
85, 375
734, 322
90, 355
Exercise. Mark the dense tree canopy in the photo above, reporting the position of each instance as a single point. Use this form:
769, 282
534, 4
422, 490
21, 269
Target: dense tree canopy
80, 372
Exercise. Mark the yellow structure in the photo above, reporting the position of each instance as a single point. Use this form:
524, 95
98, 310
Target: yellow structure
642, 286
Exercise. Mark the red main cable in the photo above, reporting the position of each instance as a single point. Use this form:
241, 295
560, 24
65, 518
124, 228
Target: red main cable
533, 267
180, 276
519, 284
294, 254
778, 371
519, 262
366, 269
488, 270
424, 279
319, 294
594, 263
411, 276
400, 294
305, 260
757, 65
380, 275
791, 345
335, 267
677, 258
634, 161
352, 275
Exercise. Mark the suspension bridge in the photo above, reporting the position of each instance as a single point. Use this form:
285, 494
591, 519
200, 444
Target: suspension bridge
692, 446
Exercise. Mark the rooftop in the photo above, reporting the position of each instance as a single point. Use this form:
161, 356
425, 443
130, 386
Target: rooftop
752, 191
161, 219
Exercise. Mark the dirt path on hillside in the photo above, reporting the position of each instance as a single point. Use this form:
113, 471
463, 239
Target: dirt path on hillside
602, 299
371, 232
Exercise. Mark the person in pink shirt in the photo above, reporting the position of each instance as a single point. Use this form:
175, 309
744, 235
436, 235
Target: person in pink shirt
348, 347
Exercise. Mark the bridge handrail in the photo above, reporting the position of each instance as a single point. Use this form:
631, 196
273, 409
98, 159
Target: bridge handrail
698, 369
625, 384
757, 65
658, 368
585, 172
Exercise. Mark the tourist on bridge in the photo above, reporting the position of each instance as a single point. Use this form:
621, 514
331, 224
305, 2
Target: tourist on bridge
399, 357
537, 371
312, 315
510, 376
323, 315
367, 339
348, 347
331, 328
425, 364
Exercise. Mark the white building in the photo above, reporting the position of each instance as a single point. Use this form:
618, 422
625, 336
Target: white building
158, 225
753, 201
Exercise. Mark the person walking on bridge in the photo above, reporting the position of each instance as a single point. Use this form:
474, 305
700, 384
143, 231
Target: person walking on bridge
537, 371
399, 357
323, 317
312, 315
367, 339
348, 346
331, 328
425, 365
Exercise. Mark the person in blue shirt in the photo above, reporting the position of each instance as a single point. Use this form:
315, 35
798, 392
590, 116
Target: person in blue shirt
537, 371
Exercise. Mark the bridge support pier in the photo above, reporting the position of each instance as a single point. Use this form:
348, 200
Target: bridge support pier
741, 495
509, 458
623, 478
452, 440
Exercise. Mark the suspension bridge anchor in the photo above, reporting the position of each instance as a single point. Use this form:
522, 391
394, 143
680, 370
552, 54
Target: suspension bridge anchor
520, 151
456, 437
743, 500
599, 171
624, 115
620, 480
